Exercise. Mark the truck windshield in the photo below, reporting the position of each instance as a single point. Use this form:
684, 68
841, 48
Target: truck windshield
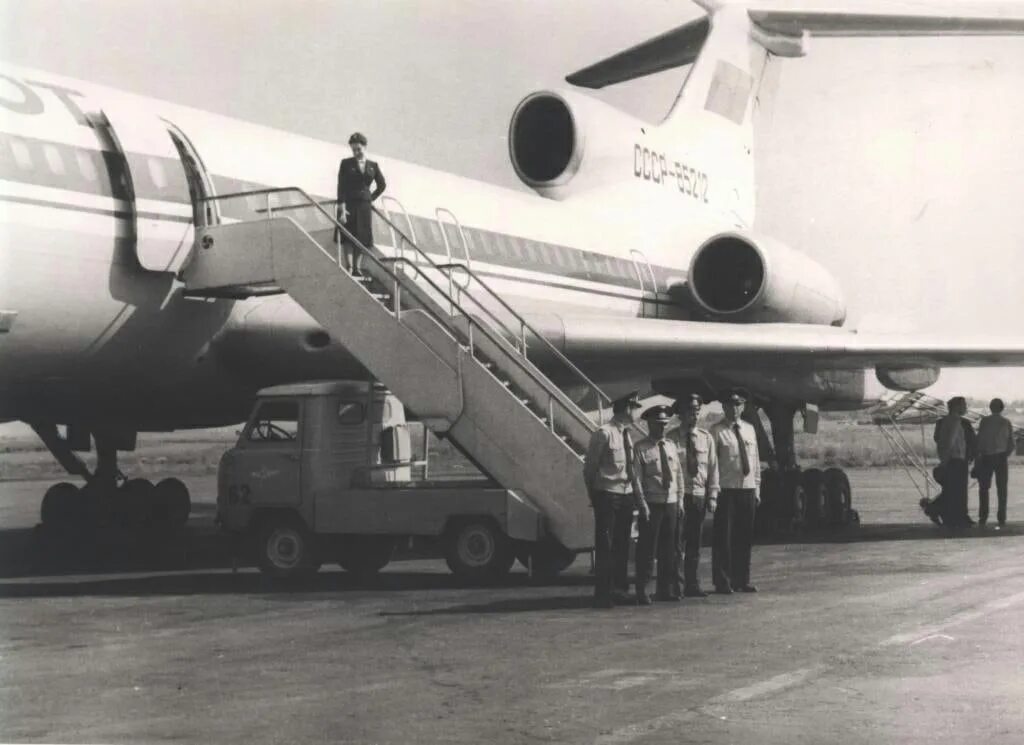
275, 421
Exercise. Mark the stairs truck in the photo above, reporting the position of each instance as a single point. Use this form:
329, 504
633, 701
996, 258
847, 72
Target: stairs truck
443, 342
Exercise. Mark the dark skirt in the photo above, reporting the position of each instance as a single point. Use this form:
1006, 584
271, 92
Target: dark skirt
360, 221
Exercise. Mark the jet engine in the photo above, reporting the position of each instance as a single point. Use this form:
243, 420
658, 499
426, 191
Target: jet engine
560, 137
739, 278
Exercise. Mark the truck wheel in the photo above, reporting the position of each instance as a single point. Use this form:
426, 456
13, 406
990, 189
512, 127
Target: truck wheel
476, 550
365, 555
284, 548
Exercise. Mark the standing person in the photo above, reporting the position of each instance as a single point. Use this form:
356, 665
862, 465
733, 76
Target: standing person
700, 490
952, 444
995, 445
611, 480
739, 470
355, 175
661, 480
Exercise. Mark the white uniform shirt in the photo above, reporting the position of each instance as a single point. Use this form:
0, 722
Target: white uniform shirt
730, 464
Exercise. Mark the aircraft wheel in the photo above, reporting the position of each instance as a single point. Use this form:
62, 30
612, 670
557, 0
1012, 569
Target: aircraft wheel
173, 503
59, 507
549, 559
476, 550
838, 497
284, 548
813, 482
365, 555
134, 503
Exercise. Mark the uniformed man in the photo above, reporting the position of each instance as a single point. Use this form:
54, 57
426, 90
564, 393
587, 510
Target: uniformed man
355, 175
611, 480
739, 473
661, 480
995, 445
697, 452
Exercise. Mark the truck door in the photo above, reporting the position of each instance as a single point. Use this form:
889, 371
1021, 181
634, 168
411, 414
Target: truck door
269, 461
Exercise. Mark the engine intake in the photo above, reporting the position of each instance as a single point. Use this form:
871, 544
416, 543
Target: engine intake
542, 139
555, 138
736, 277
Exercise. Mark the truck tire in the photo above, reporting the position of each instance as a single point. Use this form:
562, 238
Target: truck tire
364, 555
284, 548
476, 550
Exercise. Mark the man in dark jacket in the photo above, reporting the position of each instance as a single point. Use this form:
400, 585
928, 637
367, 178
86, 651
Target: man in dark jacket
355, 176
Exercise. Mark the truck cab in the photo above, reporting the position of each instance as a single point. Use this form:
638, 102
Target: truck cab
324, 471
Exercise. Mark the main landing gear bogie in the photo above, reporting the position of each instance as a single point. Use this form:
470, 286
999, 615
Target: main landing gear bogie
135, 504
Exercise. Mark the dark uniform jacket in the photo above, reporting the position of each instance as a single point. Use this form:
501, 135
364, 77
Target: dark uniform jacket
354, 185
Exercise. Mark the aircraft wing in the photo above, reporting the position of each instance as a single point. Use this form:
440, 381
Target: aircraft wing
693, 344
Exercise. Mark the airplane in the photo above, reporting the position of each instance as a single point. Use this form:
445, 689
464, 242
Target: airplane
634, 255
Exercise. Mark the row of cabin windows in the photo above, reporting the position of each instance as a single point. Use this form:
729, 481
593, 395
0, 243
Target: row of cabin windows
158, 179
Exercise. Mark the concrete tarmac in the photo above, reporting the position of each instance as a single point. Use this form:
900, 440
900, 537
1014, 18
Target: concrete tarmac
891, 633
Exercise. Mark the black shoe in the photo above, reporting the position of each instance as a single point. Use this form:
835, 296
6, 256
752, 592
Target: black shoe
663, 598
694, 592
746, 588
603, 603
968, 522
929, 511
621, 598
642, 598
723, 590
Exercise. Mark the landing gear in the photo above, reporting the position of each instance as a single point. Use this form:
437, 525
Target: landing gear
108, 499
793, 498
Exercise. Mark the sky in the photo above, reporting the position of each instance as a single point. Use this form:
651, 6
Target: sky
896, 163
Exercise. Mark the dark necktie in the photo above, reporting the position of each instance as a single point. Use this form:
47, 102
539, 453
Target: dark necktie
627, 443
666, 470
744, 458
691, 454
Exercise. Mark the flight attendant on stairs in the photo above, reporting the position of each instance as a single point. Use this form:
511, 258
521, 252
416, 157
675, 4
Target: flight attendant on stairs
355, 176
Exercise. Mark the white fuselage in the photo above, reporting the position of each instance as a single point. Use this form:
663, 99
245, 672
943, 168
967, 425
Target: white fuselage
98, 335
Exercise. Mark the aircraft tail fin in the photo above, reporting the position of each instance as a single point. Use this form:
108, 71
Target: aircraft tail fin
729, 49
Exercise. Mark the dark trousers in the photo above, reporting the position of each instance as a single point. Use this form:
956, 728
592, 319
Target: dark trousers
987, 467
954, 492
689, 532
613, 521
657, 540
733, 538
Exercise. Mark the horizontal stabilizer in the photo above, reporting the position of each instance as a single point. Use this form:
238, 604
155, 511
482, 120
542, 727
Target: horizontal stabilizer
790, 20
902, 19
674, 48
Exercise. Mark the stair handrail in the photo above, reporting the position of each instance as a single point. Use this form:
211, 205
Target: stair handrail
521, 358
601, 396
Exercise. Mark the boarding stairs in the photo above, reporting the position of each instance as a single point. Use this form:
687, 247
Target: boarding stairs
895, 410
435, 333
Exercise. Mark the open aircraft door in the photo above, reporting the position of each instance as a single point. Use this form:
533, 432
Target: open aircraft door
156, 184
